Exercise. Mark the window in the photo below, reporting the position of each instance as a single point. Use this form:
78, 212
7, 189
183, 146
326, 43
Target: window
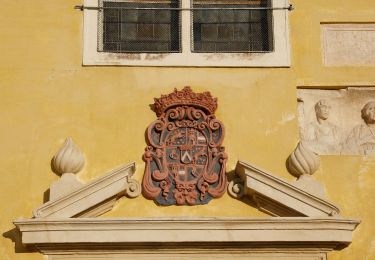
231, 33
219, 28
139, 26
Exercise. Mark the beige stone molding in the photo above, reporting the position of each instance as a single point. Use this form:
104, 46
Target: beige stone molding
93, 198
48, 235
205, 254
278, 197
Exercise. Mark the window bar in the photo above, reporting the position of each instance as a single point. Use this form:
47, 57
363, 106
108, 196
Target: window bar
82, 7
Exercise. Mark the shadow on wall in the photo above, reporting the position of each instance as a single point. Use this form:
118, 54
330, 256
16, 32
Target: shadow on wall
15, 235
46, 196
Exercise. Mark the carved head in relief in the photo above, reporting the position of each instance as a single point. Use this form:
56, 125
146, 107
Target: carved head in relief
185, 161
322, 109
368, 112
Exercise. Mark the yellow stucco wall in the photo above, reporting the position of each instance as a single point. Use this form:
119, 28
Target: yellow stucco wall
46, 95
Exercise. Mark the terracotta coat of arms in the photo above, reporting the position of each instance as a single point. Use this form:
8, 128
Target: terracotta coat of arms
185, 162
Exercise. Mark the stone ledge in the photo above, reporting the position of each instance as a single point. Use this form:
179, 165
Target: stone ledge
334, 232
238, 254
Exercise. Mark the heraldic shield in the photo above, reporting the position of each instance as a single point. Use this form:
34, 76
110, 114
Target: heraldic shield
185, 162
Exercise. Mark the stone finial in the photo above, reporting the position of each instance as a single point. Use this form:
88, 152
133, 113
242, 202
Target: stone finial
69, 159
303, 161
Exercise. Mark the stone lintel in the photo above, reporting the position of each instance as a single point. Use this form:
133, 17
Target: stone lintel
93, 198
50, 234
278, 197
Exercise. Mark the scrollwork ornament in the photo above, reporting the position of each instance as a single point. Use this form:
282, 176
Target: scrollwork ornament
134, 189
236, 188
186, 166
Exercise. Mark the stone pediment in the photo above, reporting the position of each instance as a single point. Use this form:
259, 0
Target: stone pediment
276, 196
272, 195
61, 227
65, 227
94, 198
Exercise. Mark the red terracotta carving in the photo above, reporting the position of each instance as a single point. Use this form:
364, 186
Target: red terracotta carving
185, 162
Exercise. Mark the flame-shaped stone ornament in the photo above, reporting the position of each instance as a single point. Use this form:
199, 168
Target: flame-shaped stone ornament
303, 161
69, 159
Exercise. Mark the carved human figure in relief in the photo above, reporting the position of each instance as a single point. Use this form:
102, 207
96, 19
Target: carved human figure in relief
322, 136
361, 139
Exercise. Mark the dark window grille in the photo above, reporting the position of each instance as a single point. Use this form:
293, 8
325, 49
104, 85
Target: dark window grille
127, 29
232, 30
154, 26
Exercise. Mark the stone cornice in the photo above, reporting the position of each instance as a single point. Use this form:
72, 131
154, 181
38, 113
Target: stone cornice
278, 197
93, 198
57, 233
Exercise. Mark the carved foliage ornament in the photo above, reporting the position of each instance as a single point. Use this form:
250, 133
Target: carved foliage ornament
185, 162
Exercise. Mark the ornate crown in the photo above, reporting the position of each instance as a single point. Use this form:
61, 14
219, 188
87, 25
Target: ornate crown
185, 97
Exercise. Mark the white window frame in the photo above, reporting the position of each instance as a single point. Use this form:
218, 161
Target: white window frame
279, 57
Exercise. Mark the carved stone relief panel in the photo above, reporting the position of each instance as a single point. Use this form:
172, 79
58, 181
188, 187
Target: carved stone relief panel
348, 44
185, 162
334, 122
